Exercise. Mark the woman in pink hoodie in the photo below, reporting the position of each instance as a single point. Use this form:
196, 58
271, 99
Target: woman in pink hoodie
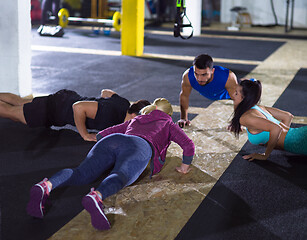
127, 149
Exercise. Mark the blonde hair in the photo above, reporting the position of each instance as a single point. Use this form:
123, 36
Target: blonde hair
161, 104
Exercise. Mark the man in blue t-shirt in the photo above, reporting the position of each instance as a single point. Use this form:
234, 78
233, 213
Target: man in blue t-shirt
212, 82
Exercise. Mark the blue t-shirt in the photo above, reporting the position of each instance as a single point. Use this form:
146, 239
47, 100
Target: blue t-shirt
215, 90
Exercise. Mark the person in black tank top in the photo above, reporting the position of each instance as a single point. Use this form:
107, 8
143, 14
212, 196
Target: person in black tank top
68, 107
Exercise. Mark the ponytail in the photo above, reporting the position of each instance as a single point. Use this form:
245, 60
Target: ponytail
161, 104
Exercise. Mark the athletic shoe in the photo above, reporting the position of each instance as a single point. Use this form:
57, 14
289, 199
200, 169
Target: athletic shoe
50, 31
93, 204
38, 196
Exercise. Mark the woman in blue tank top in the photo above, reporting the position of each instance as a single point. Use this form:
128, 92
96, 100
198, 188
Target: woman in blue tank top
265, 125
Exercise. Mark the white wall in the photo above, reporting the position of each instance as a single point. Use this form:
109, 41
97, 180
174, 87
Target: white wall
15, 47
261, 11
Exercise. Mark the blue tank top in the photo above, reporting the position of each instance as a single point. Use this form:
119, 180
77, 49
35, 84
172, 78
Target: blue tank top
264, 136
215, 90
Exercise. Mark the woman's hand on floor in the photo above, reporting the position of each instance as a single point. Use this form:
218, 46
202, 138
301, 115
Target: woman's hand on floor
184, 168
257, 156
91, 137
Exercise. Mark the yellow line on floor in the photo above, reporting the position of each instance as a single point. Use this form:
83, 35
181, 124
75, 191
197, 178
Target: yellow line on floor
145, 55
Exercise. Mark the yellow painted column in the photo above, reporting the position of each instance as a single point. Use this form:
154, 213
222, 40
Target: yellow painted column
132, 29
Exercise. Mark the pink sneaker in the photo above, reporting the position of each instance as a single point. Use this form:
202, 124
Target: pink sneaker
38, 196
93, 204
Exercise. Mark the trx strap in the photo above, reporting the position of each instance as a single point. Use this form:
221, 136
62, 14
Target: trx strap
181, 13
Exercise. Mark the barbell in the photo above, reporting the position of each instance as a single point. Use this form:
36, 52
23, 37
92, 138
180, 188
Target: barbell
64, 19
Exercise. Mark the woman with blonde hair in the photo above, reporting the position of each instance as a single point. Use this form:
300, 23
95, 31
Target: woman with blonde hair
161, 104
127, 149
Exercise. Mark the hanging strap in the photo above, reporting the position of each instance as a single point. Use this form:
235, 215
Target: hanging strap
181, 14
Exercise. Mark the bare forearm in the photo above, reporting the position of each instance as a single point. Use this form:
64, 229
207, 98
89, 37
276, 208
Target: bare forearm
283, 116
287, 121
80, 119
83, 110
274, 136
269, 149
184, 106
184, 112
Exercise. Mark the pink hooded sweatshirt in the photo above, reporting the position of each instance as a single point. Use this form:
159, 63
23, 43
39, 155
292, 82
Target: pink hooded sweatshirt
159, 130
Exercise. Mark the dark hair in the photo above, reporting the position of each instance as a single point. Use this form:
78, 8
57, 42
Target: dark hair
203, 61
137, 106
251, 91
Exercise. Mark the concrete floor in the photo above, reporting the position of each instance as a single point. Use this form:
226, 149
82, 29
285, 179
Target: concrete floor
159, 208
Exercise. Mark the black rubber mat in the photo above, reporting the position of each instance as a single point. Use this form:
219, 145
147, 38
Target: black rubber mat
27, 156
294, 99
259, 199
242, 49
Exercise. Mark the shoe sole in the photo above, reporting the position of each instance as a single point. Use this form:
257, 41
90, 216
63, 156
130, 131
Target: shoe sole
34, 207
98, 218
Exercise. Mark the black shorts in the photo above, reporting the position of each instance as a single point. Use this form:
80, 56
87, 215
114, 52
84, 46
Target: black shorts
52, 110
35, 112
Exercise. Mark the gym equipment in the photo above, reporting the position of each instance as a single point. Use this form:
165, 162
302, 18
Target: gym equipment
239, 17
181, 14
50, 31
64, 19
289, 28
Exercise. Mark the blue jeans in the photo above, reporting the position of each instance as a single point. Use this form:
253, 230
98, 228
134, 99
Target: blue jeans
127, 154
